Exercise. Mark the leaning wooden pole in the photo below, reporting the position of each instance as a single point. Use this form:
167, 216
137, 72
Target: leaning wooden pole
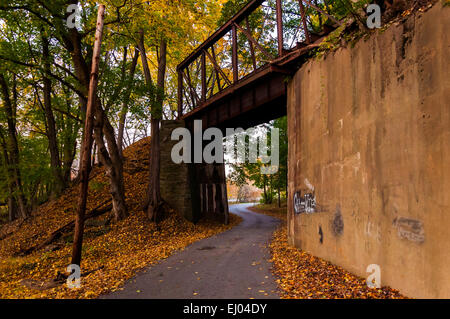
87, 142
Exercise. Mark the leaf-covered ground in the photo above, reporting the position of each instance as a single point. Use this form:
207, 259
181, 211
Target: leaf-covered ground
301, 275
114, 252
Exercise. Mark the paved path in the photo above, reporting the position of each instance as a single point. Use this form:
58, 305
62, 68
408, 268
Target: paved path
233, 264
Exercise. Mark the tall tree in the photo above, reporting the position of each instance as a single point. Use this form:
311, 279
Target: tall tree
13, 149
87, 142
50, 121
126, 101
154, 201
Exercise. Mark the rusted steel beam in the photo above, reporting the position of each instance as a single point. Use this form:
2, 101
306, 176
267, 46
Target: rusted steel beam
305, 26
187, 97
252, 40
235, 54
279, 69
259, 74
180, 93
217, 67
260, 99
279, 12
203, 76
194, 96
238, 17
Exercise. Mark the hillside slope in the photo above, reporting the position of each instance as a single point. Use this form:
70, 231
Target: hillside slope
112, 252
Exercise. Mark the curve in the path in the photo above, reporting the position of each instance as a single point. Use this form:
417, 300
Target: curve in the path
233, 264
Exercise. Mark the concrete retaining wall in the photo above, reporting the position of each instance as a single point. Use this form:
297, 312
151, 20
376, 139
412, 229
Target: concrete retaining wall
369, 155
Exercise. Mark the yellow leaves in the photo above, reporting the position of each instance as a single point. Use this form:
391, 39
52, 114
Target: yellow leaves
122, 248
301, 275
89, 294
270, 210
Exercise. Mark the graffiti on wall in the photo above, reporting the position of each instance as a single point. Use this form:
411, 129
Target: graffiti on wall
410, 229
305, 203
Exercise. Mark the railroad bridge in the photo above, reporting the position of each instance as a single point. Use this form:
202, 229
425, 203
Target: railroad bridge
237, 78
368, 131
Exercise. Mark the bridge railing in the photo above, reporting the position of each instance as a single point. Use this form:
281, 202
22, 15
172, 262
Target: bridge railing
261, 32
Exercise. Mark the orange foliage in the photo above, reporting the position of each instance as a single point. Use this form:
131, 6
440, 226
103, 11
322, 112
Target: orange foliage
120, 248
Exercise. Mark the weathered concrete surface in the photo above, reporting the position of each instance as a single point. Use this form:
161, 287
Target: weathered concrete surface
176, 193
369, 132
233, 264
205, 194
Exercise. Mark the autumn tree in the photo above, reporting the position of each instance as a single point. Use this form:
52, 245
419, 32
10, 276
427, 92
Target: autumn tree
46, 66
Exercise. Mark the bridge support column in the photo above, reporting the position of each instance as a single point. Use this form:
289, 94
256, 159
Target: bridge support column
175, 189
210, 190
194, 190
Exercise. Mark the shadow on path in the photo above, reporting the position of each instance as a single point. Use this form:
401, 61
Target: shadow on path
223, 266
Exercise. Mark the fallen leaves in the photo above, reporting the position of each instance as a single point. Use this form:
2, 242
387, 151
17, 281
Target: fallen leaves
122, 248
271, 210
301, 275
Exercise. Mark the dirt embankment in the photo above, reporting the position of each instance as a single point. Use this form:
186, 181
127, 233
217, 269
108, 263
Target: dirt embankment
112, 252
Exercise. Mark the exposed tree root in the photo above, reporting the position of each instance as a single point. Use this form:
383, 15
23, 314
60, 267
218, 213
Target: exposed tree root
98, 211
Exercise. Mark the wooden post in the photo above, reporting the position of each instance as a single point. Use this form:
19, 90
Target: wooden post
279, 12
87, 143
235, 54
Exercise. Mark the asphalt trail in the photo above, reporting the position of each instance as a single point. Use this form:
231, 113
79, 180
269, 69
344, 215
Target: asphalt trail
233, 264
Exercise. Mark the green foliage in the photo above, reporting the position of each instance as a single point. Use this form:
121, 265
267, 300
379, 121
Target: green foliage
26, 23
244, 173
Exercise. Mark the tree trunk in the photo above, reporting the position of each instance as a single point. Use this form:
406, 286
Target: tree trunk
12, 205
278, 189
13, 149
265, 191
87, 143
154, 190
69, 145
153, 205
124, 110
270, 190
50, 124
111, 160
69, 153
12, 208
